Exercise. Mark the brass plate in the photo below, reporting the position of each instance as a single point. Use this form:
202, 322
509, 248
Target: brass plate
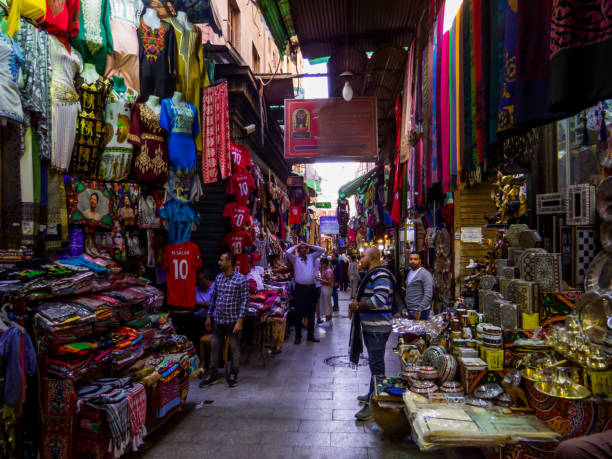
576, 392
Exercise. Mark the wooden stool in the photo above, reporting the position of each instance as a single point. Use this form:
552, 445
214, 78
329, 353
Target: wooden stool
205, 345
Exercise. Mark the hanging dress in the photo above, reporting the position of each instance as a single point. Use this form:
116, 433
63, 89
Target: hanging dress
124, 22
189, 66
89, 141
151, 164
157, 60
94, 40
116, 160
64, 101
11, 59
62, 19
182, 124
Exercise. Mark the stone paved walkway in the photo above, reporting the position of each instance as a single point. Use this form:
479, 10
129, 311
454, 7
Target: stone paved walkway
295, 406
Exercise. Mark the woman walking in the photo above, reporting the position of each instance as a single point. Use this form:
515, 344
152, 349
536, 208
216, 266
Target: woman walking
327, 285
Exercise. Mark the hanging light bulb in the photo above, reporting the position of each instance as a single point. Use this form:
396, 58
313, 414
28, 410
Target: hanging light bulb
347, 91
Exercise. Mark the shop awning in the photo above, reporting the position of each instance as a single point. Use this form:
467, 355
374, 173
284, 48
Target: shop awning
357, 185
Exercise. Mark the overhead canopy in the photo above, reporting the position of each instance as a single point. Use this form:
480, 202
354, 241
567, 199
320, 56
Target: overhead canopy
358, 185
323, 25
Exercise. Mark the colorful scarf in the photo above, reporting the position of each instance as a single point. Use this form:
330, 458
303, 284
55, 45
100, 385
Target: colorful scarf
137, 409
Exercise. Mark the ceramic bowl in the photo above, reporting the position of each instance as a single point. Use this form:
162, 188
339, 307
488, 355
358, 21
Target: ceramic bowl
427, 373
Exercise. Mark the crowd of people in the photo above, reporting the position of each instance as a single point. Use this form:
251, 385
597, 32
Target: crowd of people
375, 297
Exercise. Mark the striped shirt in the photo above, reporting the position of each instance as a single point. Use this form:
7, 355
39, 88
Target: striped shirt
378, 294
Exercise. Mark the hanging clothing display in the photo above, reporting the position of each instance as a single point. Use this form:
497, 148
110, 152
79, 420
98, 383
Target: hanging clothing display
35, 90
237, 242
182, 262
241, 157
215, 133
11, 210
180, 215
238, 214
64, 101
11, 59
94, 40
151, 164
116, 160
240, 186
33, 10
62, 19
580, 45
181, 122
89, 140
124, 22
157, 60
189, 65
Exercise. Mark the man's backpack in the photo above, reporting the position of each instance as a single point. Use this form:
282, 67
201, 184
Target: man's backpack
398, 304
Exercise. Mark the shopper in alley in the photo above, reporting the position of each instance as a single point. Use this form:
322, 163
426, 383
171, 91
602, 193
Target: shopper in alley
303, 258
372, 312
419, 289
227, 306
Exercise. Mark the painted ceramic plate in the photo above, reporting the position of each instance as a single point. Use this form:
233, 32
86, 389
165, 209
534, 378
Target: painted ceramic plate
599, 274
604, 199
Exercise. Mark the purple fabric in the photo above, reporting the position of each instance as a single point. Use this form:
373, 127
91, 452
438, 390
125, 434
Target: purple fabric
11, 350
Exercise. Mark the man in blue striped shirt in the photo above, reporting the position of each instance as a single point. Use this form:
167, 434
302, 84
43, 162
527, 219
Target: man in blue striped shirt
375, 309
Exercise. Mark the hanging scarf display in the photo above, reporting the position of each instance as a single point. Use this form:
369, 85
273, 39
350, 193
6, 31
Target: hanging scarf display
215, 133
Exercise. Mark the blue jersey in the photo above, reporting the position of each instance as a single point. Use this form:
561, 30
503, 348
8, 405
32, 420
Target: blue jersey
180, 216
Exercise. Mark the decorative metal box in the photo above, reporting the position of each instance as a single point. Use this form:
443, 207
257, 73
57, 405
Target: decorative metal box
543, 268
488, 282
529, 239
500, 264
510, 272
524, 294
503, 285
551, 203
514, 255
580, 204
490, 307
509, 315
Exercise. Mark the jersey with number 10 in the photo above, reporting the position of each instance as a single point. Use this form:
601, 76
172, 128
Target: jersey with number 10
181, 262
240, 185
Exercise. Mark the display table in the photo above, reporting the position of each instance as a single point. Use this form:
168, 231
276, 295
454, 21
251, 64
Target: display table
447, 424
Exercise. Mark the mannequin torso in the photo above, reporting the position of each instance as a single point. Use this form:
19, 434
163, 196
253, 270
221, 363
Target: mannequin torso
151, 18
178, 97
154, 104
89, 73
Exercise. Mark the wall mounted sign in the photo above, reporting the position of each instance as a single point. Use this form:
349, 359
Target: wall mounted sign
331, 128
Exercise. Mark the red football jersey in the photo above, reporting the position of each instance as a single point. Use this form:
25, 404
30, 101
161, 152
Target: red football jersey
241, 157
237, 241
242, 264
239, 215
240, 185
295, 214
182, 261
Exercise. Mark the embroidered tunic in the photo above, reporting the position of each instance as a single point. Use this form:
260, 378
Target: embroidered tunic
116, 161
181, 122
151, 165
94, 40
90, 126
157, 60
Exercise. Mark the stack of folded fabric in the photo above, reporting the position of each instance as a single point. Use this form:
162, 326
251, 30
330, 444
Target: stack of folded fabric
103, 307
64, 322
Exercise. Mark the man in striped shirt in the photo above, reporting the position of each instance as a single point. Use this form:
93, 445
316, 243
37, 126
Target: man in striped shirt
375, 309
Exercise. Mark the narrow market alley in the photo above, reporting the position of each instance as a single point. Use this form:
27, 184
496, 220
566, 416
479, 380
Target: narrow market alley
295, 406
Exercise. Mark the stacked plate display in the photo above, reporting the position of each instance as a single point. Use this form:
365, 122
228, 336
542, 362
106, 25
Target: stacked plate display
491, 335
453, 388
423, 387
431, 354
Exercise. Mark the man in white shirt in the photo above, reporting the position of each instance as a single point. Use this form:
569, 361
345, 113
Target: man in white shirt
303, 258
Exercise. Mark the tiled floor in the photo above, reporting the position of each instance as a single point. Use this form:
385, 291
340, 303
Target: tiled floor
295, 406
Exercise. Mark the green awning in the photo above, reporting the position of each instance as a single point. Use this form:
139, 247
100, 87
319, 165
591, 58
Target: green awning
277, 15
358, 185
315, 184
